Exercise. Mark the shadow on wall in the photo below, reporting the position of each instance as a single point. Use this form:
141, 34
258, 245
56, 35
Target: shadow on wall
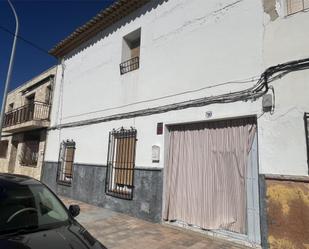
151, 6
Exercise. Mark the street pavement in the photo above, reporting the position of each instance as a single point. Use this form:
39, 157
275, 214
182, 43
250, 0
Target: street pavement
121, 231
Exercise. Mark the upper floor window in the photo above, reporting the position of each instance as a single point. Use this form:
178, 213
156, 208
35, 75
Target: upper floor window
65, 162
130, 52
48, 95
30, 99
294, 6
3, 148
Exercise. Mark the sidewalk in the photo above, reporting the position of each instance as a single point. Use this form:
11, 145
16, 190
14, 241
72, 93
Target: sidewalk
120, 231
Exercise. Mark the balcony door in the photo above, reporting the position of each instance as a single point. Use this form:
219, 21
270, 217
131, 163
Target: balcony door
30, 107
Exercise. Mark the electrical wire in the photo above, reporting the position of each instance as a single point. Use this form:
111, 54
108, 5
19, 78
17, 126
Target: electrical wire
26, 41
244, 81
252, 93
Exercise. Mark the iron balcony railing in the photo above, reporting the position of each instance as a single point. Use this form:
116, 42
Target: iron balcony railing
30, 112
129, 65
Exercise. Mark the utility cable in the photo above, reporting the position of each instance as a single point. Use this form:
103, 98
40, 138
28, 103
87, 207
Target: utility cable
252, 93
26, 41
245, 81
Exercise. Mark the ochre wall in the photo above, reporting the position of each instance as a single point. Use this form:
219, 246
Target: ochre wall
288, 213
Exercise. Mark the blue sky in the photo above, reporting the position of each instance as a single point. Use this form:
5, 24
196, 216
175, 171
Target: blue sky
45, 23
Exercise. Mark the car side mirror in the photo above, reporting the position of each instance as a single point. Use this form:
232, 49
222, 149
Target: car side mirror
74, 210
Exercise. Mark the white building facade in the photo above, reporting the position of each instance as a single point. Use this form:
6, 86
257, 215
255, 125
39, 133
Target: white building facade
185, 67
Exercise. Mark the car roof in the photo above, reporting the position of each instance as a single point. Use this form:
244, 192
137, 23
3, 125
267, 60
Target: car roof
22, 180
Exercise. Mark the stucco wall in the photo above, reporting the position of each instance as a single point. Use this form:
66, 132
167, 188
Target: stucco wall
185, 45
282, 138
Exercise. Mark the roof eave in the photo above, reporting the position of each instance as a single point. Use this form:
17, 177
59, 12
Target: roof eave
101, 21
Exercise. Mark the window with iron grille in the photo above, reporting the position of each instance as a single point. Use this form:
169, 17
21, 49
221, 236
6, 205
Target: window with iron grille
30, 150
3, 148
306, 118
121, 163
294, 6
131, 52
65, 162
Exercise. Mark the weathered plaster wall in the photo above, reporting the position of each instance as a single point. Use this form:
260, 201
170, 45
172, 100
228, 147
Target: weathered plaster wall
288, 213
270, 8
282, 135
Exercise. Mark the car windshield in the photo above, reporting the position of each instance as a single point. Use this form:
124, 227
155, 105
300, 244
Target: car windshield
29, 206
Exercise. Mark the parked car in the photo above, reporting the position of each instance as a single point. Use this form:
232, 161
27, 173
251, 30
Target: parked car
33, 217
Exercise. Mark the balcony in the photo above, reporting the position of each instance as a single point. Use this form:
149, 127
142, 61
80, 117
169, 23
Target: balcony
129, 65
27, 117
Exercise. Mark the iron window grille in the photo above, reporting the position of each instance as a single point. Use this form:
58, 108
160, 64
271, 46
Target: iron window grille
121, 163
295, 6
65, 162
129, 65
306, 119
30, 150
30, 153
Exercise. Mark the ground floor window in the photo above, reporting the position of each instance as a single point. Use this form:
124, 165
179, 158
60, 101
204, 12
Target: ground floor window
3, 148
65, 162
121, 163
30, 150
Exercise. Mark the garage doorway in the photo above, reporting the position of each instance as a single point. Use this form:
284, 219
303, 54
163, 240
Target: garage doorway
211, 177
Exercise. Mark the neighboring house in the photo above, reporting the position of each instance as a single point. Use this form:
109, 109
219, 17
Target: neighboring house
26, 119
177, 111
